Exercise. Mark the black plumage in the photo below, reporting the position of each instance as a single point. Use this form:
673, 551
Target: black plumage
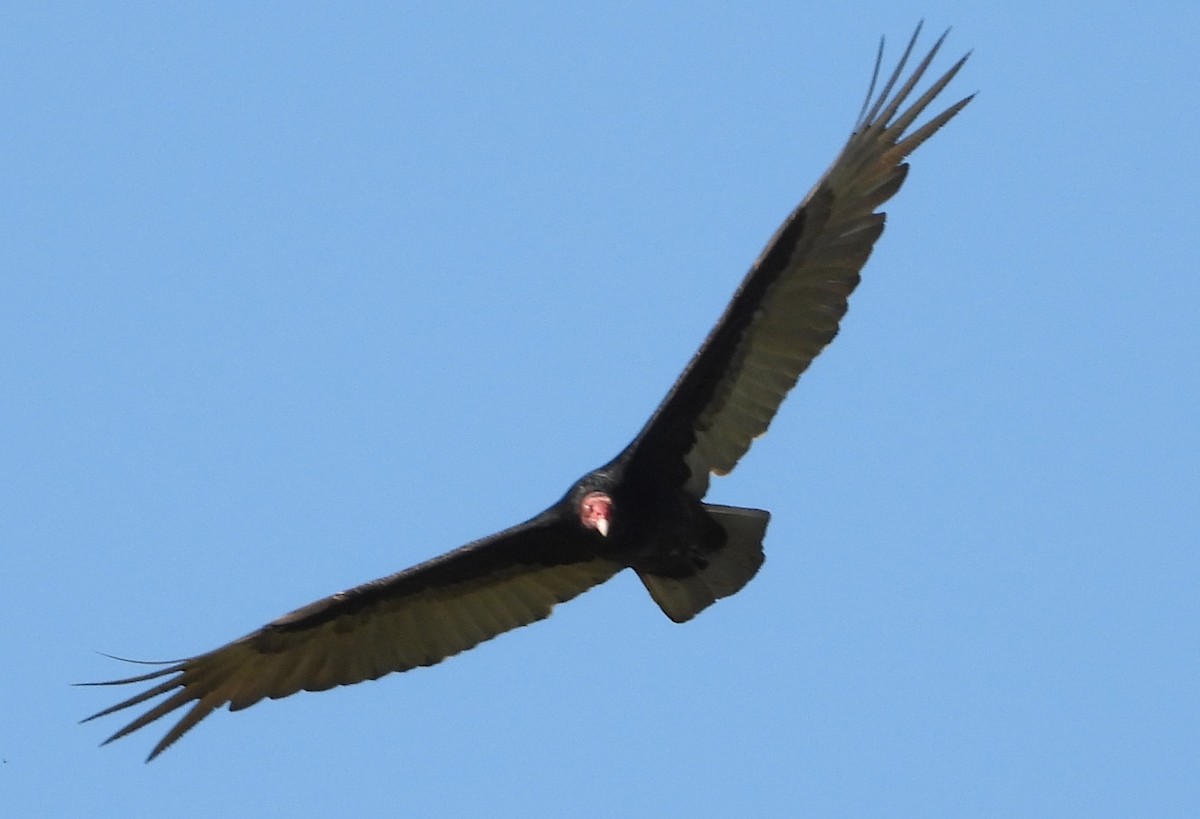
643, 510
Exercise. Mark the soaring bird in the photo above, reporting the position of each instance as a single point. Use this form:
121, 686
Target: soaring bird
644, 510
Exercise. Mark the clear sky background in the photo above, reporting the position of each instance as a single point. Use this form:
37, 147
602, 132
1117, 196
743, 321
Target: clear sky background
293, 296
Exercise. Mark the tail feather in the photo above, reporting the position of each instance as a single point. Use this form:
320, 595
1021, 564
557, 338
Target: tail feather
728, 569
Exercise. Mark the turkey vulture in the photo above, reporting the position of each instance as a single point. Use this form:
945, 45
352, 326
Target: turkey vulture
643, 510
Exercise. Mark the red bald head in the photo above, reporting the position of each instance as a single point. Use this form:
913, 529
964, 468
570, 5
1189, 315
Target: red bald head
595, 511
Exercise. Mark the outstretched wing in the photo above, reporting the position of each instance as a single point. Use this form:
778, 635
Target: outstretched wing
417, 617
789, 305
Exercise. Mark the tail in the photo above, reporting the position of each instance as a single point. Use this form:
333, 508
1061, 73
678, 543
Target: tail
728, 569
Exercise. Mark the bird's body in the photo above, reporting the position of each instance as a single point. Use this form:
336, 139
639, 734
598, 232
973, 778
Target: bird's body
644, 510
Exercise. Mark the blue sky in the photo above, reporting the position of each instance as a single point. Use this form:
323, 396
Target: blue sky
297, 296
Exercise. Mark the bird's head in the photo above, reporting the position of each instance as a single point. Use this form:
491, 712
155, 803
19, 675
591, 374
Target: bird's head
595, 511
592, 502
